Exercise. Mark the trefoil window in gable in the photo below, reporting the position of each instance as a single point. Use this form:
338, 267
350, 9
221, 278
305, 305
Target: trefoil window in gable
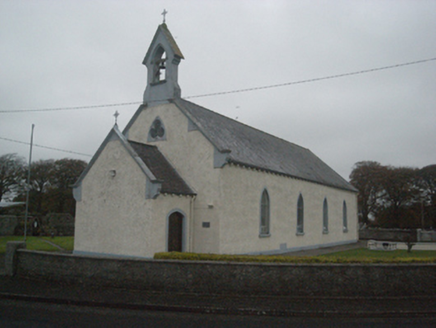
157, 131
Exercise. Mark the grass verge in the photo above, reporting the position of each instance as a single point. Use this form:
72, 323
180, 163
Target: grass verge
38, 244
66, 243
361, 255
387, 255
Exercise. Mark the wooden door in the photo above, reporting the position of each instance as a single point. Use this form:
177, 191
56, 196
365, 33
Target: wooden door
175, 232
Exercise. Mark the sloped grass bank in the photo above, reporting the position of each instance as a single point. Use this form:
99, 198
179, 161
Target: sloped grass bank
38, 243
67, 243
360, 255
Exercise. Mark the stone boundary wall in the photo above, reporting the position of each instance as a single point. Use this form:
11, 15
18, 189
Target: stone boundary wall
388, 234
332, 280
426, 236
8, 223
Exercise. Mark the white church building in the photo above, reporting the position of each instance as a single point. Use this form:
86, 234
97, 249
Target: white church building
181, 177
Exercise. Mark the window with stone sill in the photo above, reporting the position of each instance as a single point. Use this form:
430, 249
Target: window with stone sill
344, 217
300, 216
264, 230
325, 217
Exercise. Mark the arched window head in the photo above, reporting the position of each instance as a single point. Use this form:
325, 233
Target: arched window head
300, 215
344, 217
264, 214
157, 131
325, 217
159, 65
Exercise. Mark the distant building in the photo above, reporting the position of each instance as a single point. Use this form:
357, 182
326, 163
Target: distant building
183, 178
10, 204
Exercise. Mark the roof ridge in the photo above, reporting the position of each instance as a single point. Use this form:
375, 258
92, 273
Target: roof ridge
171, 40
246, 125
152, 156
140, 143
260, 149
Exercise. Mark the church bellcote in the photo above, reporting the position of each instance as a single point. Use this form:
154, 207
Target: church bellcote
162, 62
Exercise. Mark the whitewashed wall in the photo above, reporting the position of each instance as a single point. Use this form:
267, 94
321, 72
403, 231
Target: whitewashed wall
229, 198
192, 156
240, 213
113, 216
228, 201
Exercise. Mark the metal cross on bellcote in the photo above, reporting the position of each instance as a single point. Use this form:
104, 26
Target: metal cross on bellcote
116, 116
164, 13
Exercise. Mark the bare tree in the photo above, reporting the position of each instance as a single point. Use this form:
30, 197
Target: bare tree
50, 185
400, 193
366, 177
427, 177
65, 174
12, 168
41, 175
395, 197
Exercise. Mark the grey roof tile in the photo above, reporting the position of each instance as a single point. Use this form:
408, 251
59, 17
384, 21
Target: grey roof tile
172, 183
254, 148
166, 32
171, 40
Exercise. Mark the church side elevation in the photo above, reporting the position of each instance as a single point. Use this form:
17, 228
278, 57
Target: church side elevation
183, 178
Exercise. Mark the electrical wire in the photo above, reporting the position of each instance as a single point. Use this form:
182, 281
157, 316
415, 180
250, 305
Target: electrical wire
204, 95
51, 148
314, 79
68, 108
231, 91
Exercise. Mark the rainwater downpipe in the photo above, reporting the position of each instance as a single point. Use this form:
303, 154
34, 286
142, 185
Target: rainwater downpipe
191, 225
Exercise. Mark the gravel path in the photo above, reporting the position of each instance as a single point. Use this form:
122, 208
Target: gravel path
327, 250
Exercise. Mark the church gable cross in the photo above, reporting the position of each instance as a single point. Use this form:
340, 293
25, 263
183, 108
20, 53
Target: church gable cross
164, 13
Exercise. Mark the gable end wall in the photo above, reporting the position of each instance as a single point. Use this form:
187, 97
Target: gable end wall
192, 155
114, 216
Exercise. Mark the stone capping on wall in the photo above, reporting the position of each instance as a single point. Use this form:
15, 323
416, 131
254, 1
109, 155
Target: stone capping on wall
11, 256
399, 235
329, 280
426, 236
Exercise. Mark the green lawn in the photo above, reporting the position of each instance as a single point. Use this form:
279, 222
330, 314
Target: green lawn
351, 256
66, 243
361, 255
36, 243
364, 253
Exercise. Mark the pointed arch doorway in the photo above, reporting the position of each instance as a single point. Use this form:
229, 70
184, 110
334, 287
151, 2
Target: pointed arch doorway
175, 232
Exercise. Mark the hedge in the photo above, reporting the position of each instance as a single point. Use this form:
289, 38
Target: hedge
284, 259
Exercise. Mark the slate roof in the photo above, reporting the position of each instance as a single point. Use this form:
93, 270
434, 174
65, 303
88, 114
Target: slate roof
171, 40
166, 32
150, 160
172, 183
253, 148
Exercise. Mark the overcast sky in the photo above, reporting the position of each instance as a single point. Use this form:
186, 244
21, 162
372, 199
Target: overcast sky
80, 53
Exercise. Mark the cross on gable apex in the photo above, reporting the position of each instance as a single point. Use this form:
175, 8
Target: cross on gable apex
164, 13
